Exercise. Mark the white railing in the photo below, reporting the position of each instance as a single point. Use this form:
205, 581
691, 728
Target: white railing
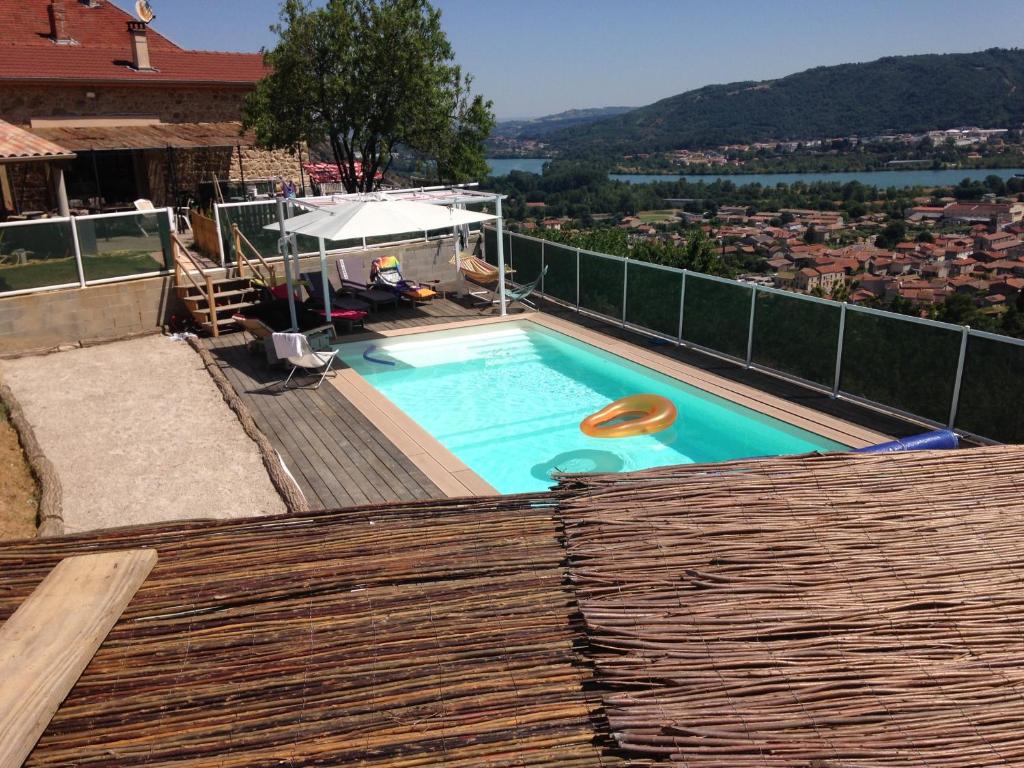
76, 251
934, 373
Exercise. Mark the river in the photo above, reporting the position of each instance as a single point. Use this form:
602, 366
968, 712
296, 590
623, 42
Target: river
902, 178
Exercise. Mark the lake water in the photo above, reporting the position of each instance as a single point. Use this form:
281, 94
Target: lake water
505, 165
901, 178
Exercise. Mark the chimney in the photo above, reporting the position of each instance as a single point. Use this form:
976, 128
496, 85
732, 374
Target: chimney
60, 31
140, 46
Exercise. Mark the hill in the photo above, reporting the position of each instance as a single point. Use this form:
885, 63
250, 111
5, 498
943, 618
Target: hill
893, 94
541, 126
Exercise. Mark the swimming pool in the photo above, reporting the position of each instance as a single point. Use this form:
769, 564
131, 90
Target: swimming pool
507, 399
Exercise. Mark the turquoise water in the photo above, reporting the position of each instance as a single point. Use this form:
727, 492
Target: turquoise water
905, 177
508, 400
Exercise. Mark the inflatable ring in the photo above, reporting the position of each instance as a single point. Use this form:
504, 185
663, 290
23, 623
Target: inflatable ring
649, 414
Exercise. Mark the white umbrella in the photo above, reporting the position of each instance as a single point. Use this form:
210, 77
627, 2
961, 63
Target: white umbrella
357, 219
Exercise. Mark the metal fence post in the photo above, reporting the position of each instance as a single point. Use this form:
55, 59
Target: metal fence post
682, 303
955, 405
542, 268
577, 279
839, 350
625, 283
220, 236
750, 326
78, 251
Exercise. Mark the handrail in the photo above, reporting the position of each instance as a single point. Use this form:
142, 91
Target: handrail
240, 255
182, 253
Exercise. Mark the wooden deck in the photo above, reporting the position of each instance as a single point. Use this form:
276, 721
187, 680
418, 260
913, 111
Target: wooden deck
337, 456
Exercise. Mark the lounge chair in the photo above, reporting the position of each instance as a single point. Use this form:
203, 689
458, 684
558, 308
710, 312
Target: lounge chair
294, 349
315, 286
339, 312
355, 278
521, 293
386, 273
320, 338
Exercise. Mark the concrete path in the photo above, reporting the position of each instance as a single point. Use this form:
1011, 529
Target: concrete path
139, 433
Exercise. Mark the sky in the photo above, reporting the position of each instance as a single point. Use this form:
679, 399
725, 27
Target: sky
539, 57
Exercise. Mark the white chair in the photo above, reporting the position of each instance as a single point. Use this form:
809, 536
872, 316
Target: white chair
294, 349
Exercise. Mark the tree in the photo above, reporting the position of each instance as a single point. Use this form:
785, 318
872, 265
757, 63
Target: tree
366, 76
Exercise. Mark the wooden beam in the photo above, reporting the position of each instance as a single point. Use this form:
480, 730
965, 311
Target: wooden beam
48, 642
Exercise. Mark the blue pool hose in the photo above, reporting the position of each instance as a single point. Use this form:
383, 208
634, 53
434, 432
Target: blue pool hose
929, 441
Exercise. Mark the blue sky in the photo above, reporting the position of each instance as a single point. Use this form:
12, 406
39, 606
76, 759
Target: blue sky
536, 57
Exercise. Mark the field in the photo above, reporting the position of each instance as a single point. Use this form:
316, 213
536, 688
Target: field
657, 217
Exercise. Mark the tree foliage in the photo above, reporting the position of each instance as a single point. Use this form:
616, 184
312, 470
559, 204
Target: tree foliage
367, 76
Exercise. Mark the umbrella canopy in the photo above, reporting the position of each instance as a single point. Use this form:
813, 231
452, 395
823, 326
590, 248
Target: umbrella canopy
355, 219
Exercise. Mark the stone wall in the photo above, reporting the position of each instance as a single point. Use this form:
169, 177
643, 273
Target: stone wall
172, 104
45, 320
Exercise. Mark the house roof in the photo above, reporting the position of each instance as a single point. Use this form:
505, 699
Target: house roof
158, 136
18, 145
102, 50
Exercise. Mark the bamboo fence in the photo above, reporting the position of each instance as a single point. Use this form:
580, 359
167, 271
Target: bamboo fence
816, 612
431, 633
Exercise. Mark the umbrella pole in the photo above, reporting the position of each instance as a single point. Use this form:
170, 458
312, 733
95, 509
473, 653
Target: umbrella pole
287, 268
327, 282
501, 257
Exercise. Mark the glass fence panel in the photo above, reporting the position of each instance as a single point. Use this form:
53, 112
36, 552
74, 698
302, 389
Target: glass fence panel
986, 409
601, 284
560, 280
900, 363
490, 246
251, 220
119, 246
796, 336
652, 298
37, 255
716, 315
527, 260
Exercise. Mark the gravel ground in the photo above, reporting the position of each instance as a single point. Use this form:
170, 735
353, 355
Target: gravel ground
139, 433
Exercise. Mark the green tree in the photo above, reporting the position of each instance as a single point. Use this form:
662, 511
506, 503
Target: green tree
366, 76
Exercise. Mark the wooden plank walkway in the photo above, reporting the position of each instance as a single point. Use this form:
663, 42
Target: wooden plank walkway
337, 456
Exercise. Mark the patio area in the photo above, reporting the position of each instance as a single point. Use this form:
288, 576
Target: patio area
340, 457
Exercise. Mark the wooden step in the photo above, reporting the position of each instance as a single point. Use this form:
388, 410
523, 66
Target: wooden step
222, 322
205, 311
196, 298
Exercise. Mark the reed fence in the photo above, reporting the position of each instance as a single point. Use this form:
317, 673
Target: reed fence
828, 611
434, 633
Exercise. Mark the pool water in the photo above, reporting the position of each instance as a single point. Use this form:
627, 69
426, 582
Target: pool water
508, 399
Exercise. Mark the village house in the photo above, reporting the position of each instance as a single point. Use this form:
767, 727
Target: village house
131, 114
998, 214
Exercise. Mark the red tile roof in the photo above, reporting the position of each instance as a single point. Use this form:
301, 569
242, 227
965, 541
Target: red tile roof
102, 52
18, 144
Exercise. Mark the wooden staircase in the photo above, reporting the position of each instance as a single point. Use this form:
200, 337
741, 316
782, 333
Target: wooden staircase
213, 300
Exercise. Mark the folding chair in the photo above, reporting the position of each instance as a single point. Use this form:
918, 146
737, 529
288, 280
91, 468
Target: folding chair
294, 349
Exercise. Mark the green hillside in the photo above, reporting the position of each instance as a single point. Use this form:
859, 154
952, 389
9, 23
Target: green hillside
897, 93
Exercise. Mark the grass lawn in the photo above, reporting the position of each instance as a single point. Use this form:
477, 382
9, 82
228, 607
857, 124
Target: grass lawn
38, 274
657, 217
18, 493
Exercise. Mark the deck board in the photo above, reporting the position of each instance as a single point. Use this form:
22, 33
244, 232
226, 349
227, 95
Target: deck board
337, 456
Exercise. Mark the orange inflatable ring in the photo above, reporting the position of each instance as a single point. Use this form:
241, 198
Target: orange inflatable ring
641, 414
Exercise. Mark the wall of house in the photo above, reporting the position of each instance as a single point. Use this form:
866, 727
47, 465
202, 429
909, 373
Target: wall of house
172, 104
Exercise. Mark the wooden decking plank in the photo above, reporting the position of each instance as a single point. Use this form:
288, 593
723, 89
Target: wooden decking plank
352, 423
51, 638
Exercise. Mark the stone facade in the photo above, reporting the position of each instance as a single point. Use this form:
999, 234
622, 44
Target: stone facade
171, 104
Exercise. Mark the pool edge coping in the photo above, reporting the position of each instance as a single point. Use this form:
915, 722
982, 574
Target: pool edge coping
455, 479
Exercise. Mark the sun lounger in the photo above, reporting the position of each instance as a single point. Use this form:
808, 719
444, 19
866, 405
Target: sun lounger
386, 273
355, 278
347, 311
